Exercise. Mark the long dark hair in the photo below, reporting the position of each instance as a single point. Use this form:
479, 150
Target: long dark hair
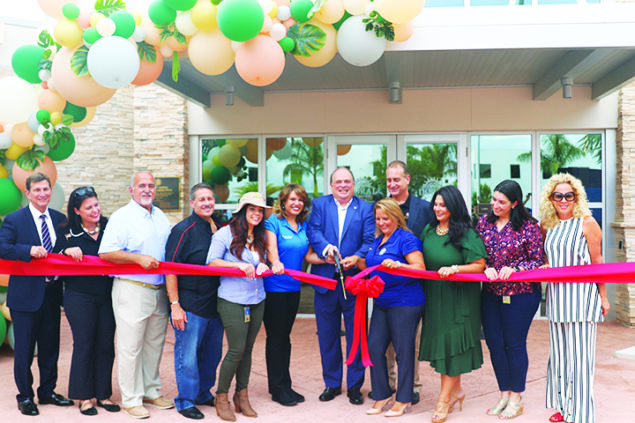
460, 221
519, 214
240, 229
75, 200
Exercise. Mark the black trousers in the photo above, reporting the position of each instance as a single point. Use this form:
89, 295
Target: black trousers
280, 311
93, 325
41, 327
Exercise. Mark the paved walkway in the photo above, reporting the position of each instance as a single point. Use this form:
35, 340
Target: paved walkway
614, 385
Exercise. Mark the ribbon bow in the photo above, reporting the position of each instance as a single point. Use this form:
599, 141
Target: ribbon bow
362, 289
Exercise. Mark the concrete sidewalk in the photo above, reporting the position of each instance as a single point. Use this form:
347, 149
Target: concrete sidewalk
614, 385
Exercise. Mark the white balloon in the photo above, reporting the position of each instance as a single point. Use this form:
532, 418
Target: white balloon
38, 140
113, 62
139, 34
165, 51
184, 23
106, 27
236, 45
370, 8
32, 122
358, 46
57, 197
5, 140
45, 148
41, 129
44, 74
284, 13
267, 6
278, 31
19, 100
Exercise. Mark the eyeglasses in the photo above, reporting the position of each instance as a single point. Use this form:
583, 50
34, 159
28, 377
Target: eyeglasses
567, 196
84, 191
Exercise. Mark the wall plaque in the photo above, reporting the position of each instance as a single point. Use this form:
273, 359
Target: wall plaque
168, 196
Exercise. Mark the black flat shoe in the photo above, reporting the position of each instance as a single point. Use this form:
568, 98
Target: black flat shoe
28, 408
92, 411
56, 399
415, 398
298, 397
285, 399
355, 396
113, 408
209, 402
329, 393
191, 413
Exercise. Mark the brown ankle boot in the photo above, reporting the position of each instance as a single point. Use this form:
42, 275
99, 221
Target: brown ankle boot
241, 402
223, 409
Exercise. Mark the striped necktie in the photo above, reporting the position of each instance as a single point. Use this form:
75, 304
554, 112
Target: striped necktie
46, 237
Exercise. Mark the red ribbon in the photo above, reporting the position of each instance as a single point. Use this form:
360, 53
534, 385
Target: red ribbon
57, 264
362, 289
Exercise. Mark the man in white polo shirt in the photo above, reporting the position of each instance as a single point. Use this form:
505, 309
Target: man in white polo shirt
137, 233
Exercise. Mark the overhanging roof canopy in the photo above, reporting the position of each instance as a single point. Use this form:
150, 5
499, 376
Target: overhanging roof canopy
534, 46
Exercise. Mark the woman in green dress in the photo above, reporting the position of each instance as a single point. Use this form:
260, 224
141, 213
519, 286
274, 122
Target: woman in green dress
450, 335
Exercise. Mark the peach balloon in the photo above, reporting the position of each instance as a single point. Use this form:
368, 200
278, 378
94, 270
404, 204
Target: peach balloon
328, 50
148, 71
343, 149
90, 114
289, 22
260, 61
46, 167
53, 8
222, 192
22, 135
399, 11
174, 44
153, 35
84, 19
79, 90
266, 25
211, 52
51, 101
282, 2
14, 151
356, 7
331, 11
403, 31
276, 143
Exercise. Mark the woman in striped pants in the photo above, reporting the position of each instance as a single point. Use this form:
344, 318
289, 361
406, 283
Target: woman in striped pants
572, 237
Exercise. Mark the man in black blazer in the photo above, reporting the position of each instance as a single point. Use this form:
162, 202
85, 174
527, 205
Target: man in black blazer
418, 214
34, 301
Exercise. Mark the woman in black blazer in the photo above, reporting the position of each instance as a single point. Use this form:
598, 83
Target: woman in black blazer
88, 306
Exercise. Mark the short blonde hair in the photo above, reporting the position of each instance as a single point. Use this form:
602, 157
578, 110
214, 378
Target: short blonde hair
548, 216
392, 209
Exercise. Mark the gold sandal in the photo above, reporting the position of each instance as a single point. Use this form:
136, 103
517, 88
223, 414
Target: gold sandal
441, 411
379, 406
513, 409
500, 406
398, 409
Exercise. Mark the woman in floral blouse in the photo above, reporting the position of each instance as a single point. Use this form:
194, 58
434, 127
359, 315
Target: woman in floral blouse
513, 242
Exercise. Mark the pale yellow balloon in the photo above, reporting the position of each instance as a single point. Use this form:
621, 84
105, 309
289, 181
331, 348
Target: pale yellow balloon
274, 10
266, 25
204, 15
331, 11
328, 50
399, 11
94, 18
237, 142
4, 173
356, 7
90, 114
211, 52
68, 33
137, 18
56, 118
14, 151
403, 31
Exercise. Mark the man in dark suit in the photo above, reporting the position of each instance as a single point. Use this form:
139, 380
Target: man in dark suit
418, 214
34, 300
340, 225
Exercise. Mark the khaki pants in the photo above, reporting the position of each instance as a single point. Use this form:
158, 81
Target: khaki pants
141, 315
392, 367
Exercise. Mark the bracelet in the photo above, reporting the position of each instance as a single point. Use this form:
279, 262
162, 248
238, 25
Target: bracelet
174, 302
455, 268
398, 264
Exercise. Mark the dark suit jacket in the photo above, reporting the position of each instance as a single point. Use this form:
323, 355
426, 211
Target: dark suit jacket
419, 215
18, 234
358, 233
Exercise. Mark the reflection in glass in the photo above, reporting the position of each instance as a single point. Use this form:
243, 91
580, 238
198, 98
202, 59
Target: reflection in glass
431, 167
370, 181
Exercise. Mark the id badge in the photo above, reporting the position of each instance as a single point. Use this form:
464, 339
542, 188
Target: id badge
507, 299
247, 315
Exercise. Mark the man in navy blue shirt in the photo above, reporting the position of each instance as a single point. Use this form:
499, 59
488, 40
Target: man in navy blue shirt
198, 330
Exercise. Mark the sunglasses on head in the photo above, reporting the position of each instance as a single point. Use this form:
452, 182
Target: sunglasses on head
567, 196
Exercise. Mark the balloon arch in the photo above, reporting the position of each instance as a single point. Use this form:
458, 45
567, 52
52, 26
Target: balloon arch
98, 47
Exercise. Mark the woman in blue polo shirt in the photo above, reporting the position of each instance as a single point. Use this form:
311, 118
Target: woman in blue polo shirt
397, 310
288, 247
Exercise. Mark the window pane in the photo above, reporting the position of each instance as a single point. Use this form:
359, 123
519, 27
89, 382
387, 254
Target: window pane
431, 165
368, 163
230, 166
298, 160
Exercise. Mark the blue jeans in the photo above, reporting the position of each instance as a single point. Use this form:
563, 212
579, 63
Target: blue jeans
506, 327
197, 352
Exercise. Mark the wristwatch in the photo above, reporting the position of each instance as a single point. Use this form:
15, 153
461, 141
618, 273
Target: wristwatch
455, 268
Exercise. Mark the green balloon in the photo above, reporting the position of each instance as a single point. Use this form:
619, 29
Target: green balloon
240, 20
287, 44
10, 197
63, 150
43, 116
339, 23
216, 161
180, 4
78, 112
300, 10
70, 11
25, 61
124, 23
220, 174
216, 2
161, 14
91, 35
3, 327
207, 170
220, 143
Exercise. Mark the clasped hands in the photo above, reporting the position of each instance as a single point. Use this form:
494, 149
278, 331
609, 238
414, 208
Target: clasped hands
501, 275
251, 272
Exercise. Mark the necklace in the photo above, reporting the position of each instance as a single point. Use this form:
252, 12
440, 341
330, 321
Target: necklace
93, 232
442, 231
250, 239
